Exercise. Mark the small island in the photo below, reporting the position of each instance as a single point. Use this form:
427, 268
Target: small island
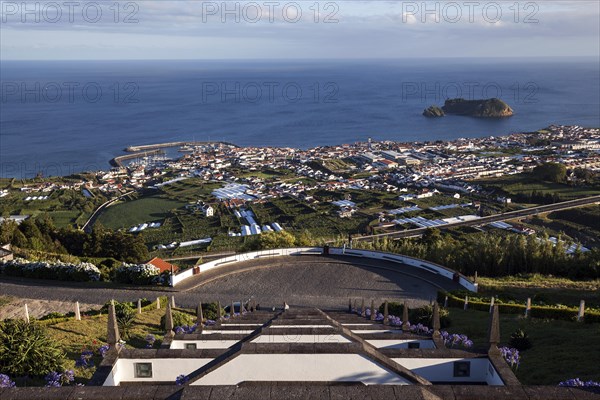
487, 108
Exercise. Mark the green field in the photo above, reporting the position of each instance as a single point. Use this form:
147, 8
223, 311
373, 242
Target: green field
525, 184
561, 349
130, 213
542, 289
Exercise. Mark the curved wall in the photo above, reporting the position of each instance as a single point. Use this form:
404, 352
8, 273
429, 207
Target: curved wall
378, 255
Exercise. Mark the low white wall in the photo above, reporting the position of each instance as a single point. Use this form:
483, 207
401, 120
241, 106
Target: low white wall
442, 369
377, 255
163, 369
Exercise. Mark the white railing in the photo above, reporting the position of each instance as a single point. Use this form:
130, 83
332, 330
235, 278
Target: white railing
377, 255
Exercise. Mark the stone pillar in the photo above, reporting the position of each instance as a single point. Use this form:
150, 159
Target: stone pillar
218, 311
362, 308
373, 310
139, 306
172, 301
241, 307
158, 303
232, 313
112, 332
494, 330
466, 306
475, 277
581, 313
386, 315
528, 308
492, 304
169, 321
446, 302
436, 324
405, 323
26, 313
355, 305
199, 316
77, 312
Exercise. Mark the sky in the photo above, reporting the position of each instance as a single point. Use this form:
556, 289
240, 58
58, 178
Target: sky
345, 29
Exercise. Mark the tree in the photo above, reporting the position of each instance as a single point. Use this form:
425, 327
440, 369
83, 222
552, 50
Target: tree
552, 172
26, 349
277, 240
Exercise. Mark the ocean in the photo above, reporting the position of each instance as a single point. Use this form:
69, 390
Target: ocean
62, 117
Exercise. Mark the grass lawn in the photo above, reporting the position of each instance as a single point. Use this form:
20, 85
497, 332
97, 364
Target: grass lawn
542, 289
525, 184
90, 333
561, 349
143, 210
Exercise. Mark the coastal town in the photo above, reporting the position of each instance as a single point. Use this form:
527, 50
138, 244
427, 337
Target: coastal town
376, 186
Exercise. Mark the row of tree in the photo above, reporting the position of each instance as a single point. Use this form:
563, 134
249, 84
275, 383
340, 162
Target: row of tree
40, 234
493, 254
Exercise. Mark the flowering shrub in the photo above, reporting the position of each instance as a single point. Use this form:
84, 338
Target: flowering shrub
455, 339
54, 379
138, 274
183, 329
85, 359
181, 380
420, 329
576, 382
57, 270
103, 349
512, 356
150, 339
5, 381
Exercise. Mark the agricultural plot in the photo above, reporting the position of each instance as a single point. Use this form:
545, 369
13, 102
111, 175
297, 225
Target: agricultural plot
143, 210
525, 184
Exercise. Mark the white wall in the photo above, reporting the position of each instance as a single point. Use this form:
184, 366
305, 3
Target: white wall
442, 369
400, 344
203, 344
163, 369
397, 258
301, 367
299, 338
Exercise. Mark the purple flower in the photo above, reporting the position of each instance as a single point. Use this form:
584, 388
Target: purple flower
5, 381
511, 356
576, 382
53, 379
181, 380
103, 349
150, 339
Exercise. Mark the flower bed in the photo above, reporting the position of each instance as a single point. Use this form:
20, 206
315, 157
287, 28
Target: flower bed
138, 274
82, 272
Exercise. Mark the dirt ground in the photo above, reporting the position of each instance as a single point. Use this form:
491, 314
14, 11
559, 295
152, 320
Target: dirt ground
38, 308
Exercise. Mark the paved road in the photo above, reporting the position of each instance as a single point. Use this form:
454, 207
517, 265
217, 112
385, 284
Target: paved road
489, 219
325, 282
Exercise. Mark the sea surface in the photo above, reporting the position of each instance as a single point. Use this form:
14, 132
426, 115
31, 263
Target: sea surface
68, 116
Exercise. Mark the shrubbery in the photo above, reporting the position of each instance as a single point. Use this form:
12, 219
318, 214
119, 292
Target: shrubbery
543, 312
179, 319
138, 274
82, 272
421, 315
26, 349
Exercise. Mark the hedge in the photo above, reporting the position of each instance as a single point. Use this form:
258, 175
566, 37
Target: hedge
542, 312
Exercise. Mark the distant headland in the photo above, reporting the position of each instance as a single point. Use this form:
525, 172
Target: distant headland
487, 108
